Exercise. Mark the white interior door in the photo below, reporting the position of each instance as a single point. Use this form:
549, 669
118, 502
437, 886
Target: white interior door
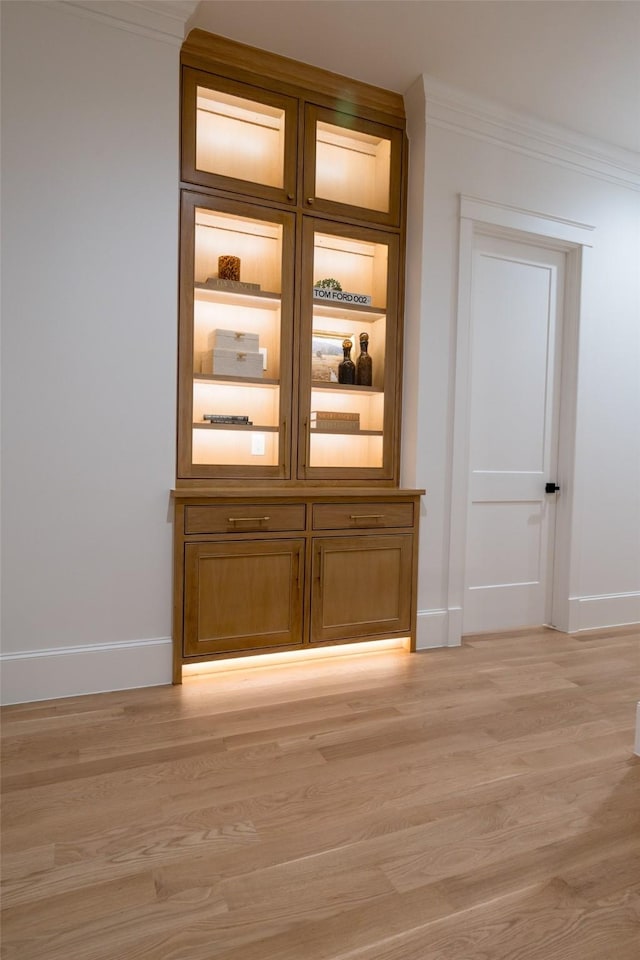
516, 312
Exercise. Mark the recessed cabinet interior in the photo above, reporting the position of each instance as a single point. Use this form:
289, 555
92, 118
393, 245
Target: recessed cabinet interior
238, 137
345, 428
352, 166
290, 363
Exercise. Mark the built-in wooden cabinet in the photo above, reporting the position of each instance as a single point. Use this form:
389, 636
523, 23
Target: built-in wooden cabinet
291, 261
263, 152
279, 569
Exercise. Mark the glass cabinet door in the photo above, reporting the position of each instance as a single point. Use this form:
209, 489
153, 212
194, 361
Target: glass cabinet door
348, 346
352, 166
235, 346
237, 137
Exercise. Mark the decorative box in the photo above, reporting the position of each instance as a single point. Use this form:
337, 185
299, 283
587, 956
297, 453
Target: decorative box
232, 363
234, 340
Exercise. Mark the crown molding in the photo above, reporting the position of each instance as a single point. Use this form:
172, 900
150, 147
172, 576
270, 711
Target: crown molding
462, 112
162, 20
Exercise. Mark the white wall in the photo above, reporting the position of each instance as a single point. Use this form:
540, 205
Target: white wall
530, 169
89, 204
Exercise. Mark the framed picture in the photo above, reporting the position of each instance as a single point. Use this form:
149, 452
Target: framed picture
326, 355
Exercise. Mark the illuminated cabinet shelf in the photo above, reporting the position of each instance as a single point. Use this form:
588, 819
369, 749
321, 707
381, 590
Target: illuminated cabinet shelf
290, 527
365, 261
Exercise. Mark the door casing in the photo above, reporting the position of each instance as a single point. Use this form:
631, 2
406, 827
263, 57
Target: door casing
575, 240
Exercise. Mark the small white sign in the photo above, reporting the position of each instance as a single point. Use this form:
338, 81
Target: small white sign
341, 296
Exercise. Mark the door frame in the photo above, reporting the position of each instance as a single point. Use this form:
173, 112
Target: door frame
483, 217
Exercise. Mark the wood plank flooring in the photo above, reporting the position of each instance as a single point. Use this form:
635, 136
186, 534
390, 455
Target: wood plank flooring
480, 803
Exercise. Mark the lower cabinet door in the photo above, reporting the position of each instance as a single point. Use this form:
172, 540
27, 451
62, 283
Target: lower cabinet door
361, 586
242, 595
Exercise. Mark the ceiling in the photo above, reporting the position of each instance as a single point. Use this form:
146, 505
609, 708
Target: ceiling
575, 63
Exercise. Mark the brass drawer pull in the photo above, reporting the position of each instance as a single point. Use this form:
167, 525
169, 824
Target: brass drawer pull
248, 519
367, 516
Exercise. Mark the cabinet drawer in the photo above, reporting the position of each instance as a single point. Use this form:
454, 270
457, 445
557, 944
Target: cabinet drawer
361, 516
244, 518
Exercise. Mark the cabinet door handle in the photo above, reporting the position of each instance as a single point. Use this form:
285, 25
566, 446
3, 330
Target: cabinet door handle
310, 201
284, 444
247, 519
366, 516
320, 564
306, 443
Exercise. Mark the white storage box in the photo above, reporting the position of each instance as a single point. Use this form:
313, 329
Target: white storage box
234, 340
232, 363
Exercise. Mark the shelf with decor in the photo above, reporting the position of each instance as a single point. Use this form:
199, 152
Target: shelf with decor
350, 340
243, 427
244, 381
345, 388
237, 296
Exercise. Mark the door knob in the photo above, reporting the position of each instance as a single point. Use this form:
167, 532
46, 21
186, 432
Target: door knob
551, 487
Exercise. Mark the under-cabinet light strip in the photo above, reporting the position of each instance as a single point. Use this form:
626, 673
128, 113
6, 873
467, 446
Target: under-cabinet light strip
364, 648
244, 233
274, 127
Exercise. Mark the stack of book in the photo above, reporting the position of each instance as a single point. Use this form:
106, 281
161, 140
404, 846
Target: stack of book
335, 421
216, 283
236, 419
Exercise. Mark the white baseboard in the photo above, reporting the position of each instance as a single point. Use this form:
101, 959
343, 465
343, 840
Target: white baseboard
443, 628
74, 671
608, 610
438, 628
455, 627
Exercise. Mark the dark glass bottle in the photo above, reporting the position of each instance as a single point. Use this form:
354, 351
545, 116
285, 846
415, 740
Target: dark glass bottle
347, 369
364, 366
